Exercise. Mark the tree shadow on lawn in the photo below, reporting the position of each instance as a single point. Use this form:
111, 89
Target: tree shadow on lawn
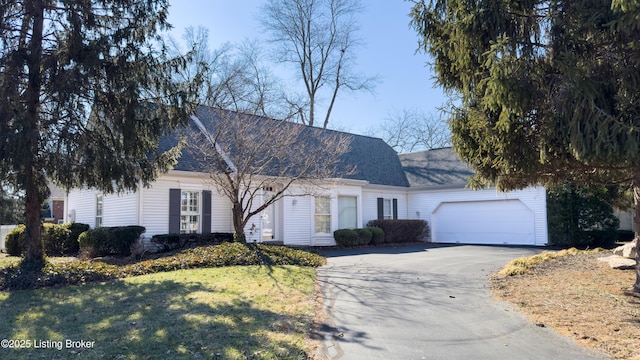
161, 319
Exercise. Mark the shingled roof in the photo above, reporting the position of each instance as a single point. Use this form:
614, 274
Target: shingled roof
435, 168
369, 159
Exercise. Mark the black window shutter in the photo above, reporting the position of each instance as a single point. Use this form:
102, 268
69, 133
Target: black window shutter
380, 208
395, 209
206, 211
174, 210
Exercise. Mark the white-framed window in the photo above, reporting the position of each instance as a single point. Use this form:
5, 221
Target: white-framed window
322, 215
347, 212
387, 209
189, 212
99, 209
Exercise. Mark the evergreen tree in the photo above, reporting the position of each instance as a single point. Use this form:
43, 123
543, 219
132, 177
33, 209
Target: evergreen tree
85, 95
11, 206
548, 90
581, 216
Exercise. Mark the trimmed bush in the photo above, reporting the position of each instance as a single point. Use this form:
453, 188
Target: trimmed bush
364, 236
76, 229
346, 237
377, 235
93, 242
168, 242
103, 241
14, 241
55, 239
401, 231
123, 237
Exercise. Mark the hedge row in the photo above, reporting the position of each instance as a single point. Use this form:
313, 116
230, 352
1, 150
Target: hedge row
56, 239
401, 231
116, 240
168, 242
355, 237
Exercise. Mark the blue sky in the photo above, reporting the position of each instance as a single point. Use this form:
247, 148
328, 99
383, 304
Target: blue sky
388, 51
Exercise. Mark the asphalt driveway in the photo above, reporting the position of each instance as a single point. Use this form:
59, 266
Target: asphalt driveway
428, 302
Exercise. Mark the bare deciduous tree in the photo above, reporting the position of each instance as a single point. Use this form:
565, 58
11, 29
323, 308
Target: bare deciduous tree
235, 77
318, 37
411, 130
246, 154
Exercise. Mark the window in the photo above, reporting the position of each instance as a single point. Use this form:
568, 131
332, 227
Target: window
387, 210
323, 215
347, 212
189, 212
99, 210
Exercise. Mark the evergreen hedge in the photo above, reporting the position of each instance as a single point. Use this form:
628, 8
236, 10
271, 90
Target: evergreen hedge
401, 231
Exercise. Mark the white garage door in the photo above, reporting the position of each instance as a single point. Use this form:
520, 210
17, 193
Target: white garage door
483, 222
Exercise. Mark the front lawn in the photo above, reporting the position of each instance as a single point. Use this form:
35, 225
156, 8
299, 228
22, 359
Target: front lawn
70, 271
234, 312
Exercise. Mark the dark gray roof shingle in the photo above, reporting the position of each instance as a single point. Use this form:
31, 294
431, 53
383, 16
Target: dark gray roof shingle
368, 158
435, 168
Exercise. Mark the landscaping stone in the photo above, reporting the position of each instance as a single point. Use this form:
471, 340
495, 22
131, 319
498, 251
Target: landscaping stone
618, 262
627, 250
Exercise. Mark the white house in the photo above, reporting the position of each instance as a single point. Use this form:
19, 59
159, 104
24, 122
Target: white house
427, 185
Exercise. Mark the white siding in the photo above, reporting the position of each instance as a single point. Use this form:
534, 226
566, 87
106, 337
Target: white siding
221, 218
119, 210
370, 203
155, 207
297, 220
423, 203
82, 207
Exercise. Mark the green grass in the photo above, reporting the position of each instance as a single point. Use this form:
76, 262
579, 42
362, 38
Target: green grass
236, 312
70, 271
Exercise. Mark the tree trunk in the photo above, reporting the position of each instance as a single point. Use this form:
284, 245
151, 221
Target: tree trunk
636, 223
238, 223
34, 256
33, 179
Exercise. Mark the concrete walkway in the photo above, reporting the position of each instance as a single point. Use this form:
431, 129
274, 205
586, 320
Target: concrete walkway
428, 302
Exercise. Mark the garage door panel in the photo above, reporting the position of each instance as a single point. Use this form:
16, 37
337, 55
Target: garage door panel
483, 222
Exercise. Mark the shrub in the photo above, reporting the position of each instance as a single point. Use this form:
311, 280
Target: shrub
364, 236
103, 241
625, 235
377, 235
121, 238
76, 229
399, 231
93, 242
14, 241
346, 237
169, 242
581, 216
55, 239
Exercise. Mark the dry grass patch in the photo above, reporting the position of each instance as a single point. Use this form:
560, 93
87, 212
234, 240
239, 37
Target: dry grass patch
522, 265
579, 296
